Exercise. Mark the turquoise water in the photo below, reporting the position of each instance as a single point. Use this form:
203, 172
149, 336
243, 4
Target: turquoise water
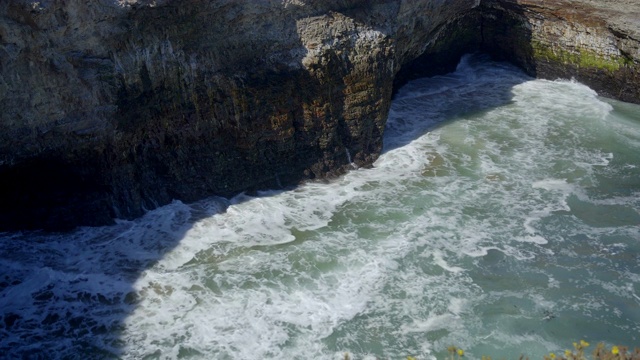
503, 217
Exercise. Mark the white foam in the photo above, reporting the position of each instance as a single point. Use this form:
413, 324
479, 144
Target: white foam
439, 260
554, 184
433, 323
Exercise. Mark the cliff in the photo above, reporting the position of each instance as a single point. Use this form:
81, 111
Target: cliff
110, 108
597, 42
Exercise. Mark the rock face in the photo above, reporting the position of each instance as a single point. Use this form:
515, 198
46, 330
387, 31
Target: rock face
597, 42
110, 108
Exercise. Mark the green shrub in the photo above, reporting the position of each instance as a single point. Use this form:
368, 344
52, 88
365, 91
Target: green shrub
578, 353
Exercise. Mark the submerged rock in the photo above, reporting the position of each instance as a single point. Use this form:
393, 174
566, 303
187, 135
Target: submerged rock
111, 108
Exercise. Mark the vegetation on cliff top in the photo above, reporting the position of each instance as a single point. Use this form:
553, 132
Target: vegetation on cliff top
601, 352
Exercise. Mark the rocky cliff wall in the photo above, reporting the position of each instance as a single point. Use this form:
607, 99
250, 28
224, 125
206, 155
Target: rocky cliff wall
110, 108
595, 42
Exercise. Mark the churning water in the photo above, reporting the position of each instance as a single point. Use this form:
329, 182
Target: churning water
503, 217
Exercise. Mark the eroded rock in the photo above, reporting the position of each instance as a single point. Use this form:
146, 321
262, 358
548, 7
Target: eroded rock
595, 42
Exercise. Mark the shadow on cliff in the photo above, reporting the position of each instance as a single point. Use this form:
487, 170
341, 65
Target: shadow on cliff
70, 295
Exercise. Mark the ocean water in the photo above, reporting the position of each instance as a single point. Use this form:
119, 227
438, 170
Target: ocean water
503, 217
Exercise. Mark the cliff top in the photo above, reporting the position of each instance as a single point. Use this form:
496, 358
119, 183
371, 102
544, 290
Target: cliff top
625, 12
619, 14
